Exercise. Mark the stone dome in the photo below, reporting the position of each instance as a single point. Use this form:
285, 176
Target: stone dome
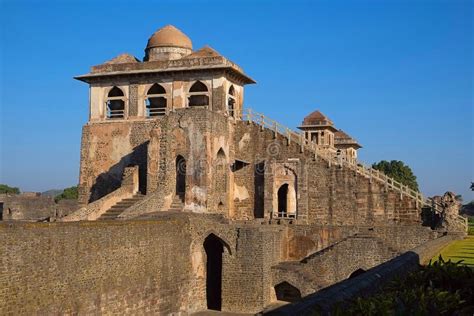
169, 36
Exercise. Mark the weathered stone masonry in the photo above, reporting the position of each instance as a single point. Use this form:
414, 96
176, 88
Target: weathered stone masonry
159, 265
187, 206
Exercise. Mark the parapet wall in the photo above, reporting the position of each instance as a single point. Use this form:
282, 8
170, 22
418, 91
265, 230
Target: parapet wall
157, 265
86, 267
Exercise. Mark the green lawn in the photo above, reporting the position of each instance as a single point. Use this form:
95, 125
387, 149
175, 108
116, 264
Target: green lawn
459, 250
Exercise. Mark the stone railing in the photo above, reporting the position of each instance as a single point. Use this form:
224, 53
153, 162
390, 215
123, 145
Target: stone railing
95, 209
331, 158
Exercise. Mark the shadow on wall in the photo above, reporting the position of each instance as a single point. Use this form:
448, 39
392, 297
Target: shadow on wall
286, 292
259, 184
430, 218
359, 283
111, 180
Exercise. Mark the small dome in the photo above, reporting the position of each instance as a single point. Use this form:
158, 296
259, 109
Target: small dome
317, 118
169, 36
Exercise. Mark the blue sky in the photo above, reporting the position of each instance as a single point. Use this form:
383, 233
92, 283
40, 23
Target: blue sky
396, 75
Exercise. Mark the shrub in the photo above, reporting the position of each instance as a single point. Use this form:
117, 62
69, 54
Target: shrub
8, 189
68, 194
441, 288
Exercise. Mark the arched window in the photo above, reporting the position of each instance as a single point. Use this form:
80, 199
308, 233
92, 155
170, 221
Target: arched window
198, 95
156, 101
115, 104
231, 101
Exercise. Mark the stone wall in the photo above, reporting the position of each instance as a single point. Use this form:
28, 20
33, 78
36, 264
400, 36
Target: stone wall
34, 207
92, 211
334, 263
106, 149
242, 183
158, 264
147, 266
67, 268
325, 194
322, 302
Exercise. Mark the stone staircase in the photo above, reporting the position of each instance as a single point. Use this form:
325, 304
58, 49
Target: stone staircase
119, 207
302, 272
360, 168
177, 204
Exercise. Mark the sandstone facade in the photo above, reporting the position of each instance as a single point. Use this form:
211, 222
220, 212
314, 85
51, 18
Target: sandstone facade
233, 211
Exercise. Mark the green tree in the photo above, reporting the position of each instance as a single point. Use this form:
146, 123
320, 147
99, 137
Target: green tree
398, 171
8, 189
68, 194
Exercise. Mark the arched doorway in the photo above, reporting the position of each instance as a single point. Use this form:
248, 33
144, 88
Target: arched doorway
356, 273
214, 248
286, 292
180, 176
283, 200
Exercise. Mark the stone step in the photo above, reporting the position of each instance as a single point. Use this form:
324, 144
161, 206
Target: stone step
119, 207
109, 212
123, 205
131, 200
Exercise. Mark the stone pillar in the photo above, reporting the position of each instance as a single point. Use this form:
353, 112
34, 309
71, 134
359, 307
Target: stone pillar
133, 101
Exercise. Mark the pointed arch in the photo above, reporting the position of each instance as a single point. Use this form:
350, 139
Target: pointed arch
115, 92
214, 248
283, 200
198, 95
115, 103
232, 90
198, 86
180, 177
231, 101
221, 153
156, 101
156, 89
220, 179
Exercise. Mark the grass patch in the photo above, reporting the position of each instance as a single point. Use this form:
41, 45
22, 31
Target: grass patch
459, 250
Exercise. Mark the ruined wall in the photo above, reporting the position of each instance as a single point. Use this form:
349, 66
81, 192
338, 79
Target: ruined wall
34, 207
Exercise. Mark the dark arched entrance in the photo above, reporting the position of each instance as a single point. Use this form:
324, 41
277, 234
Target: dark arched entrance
180, 176
356, 273
214, 248
286, 292
283, 200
